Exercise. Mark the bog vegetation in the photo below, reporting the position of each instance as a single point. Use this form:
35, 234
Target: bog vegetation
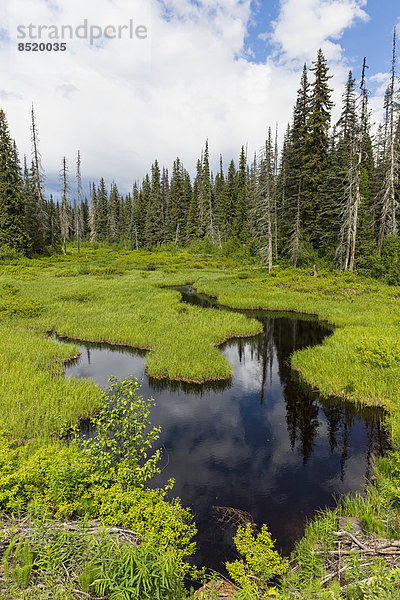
328, 198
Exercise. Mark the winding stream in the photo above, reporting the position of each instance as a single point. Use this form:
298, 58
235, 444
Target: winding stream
259, 443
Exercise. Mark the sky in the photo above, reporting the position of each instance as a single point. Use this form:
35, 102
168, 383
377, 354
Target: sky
157, 78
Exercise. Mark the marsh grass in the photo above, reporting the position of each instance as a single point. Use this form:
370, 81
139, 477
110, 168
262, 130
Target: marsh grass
36, 401
121, 308
360, 361
121, 298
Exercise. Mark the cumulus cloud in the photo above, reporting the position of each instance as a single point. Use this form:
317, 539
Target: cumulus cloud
306, 25
125, 103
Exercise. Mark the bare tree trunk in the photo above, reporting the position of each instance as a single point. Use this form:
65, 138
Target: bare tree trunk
78, 224
349, 216
269, 232
64, 206
358, 174
38, 178
389, 200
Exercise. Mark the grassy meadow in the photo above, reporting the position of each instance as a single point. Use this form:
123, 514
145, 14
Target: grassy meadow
123, 297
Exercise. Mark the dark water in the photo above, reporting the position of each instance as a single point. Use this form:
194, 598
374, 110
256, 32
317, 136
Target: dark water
259, 443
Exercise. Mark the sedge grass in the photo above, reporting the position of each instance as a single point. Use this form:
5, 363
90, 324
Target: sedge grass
121, 298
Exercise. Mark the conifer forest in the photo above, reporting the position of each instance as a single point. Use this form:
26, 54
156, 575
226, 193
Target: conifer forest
330, 192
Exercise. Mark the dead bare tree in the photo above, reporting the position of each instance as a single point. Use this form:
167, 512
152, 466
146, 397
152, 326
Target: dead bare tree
65, 217
38, 178
77, 204
357, 198
388, 222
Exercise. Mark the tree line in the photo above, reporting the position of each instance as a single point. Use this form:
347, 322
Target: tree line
330, 192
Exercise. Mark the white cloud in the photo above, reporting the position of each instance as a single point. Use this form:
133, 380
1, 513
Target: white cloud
306, 25
124, 108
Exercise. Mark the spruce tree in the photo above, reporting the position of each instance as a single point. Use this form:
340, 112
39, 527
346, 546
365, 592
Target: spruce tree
38, 179
35, 243
113, 213
241, 212
93, 213
388, 218
291, 184
78, 219
102, 212
154, 217
134, 233
12, 213
316, 150
207, 197
177, 213
264, 204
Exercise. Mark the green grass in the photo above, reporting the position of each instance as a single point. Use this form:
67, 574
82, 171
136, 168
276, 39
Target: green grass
360, 361
129, 306
36, 401
121, 298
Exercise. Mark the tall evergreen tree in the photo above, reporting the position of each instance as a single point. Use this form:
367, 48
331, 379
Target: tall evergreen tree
388, 219
154, 218
93, 213
264, 204
177, 213
113, 213
78, 219
241, 213
316, 150
12, 213
102, 212
291, 180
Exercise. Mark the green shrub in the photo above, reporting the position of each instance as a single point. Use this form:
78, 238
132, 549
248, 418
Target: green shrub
9, 254
123, 436
260, 562
24, 307
103, 477
11, 303
378, 353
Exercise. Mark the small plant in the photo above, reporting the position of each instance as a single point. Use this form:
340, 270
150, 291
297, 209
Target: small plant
260, 562
21, 568
139, 572
378, 353
12, 304
124, 437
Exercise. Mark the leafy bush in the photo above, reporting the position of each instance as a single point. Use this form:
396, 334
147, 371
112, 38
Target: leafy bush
123, 436
9, 254
378, 353
387, 266
24, 307
102, 477
12, 304
260, 562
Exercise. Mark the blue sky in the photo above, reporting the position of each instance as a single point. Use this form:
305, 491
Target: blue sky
222, 70
372, 38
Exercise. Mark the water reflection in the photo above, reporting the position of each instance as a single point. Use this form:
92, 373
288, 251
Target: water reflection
260, 442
